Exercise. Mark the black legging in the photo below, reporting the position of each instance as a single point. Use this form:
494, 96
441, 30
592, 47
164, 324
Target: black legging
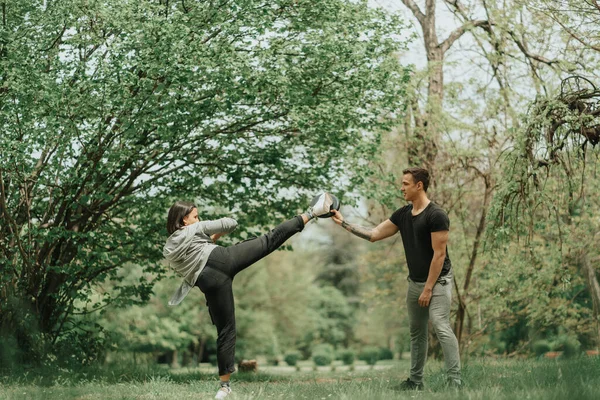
215, 281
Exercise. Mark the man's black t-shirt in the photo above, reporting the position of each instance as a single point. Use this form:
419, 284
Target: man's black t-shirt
416, 237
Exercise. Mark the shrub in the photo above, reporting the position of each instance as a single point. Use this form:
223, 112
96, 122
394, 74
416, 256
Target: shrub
212, 359
541, 347
322, 358
385, 354
369, 354
569, 345
291, 358
347, 356
76, 349
323, 354
324, 348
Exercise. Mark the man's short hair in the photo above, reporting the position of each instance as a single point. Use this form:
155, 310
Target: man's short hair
419, 175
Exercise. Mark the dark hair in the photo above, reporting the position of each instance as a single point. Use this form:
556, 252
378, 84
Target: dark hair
419, 175
176, 213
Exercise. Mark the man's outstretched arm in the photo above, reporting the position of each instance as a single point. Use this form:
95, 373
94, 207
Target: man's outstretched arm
381, 231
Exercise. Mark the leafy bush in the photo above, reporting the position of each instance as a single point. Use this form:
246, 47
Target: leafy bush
322, 358
347, 356
324, 348
323, 354
369, 354
292, 357
81, 348
212, 359
569, 345
541, 347
385, 354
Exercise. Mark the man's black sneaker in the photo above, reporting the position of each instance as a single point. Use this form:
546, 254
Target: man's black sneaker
410, 385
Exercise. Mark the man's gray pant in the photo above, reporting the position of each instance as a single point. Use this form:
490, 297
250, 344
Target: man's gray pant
439, 313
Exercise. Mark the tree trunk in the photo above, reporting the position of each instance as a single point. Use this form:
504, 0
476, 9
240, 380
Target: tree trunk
594, 288
423, 149
174, 359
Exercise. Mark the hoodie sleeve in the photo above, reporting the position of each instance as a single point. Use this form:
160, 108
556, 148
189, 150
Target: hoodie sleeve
222, 225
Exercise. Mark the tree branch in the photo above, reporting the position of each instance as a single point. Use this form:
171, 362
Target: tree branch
523, 47
415, 10
458, 32
572, 34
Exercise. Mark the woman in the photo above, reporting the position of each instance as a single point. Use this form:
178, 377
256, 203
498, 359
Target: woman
191, 252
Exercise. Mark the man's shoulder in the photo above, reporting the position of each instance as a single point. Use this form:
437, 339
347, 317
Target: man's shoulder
404, 209
400, 213
435, 208
437, 217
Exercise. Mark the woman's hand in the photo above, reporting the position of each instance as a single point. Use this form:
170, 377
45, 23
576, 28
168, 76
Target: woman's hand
215, 237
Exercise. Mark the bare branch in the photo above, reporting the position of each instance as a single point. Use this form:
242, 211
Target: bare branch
571, 33
415, 10
523, 47
458, 32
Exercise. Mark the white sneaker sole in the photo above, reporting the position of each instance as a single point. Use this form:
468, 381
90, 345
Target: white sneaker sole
221, 394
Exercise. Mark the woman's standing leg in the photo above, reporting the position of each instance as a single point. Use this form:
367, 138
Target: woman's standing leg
217, 288
222, 310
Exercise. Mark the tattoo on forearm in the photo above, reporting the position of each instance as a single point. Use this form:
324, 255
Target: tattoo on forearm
361, 232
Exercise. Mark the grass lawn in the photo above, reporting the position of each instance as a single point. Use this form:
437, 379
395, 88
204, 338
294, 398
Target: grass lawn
484, 379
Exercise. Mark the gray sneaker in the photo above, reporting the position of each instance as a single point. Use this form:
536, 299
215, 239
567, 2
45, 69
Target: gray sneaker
454, 383
321, 205
410, 385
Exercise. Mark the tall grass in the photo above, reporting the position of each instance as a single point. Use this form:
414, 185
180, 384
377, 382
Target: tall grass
484, 379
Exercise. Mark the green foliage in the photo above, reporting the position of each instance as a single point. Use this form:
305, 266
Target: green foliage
322, 358
111, 110
269, 298
540, 347
155, 327
332, 317
568, 344
324, 348
369, 354
385, 353
323, 354
85, 346
347, 356
292, 357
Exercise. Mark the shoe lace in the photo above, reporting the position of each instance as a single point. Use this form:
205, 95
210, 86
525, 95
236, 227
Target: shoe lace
225, 389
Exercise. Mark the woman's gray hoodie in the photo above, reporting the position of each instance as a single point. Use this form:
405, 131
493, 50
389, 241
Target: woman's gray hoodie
188, 248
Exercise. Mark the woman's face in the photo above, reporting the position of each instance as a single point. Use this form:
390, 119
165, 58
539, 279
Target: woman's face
191, 218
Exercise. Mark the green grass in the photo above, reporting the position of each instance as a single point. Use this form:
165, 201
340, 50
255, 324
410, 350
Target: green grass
484, 379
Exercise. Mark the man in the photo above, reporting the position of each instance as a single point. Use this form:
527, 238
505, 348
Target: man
424, 228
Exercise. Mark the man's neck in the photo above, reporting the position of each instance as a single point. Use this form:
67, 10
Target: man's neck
419, 204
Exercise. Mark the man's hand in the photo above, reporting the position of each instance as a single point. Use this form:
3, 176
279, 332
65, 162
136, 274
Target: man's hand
337, 217
425, 297
215, 237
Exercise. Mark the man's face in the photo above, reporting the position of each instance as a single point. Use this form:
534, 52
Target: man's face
409, 188
191, 218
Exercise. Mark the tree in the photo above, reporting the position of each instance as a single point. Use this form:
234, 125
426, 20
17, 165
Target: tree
518, 51
545, 198
423, 149
154, 327
111, 110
